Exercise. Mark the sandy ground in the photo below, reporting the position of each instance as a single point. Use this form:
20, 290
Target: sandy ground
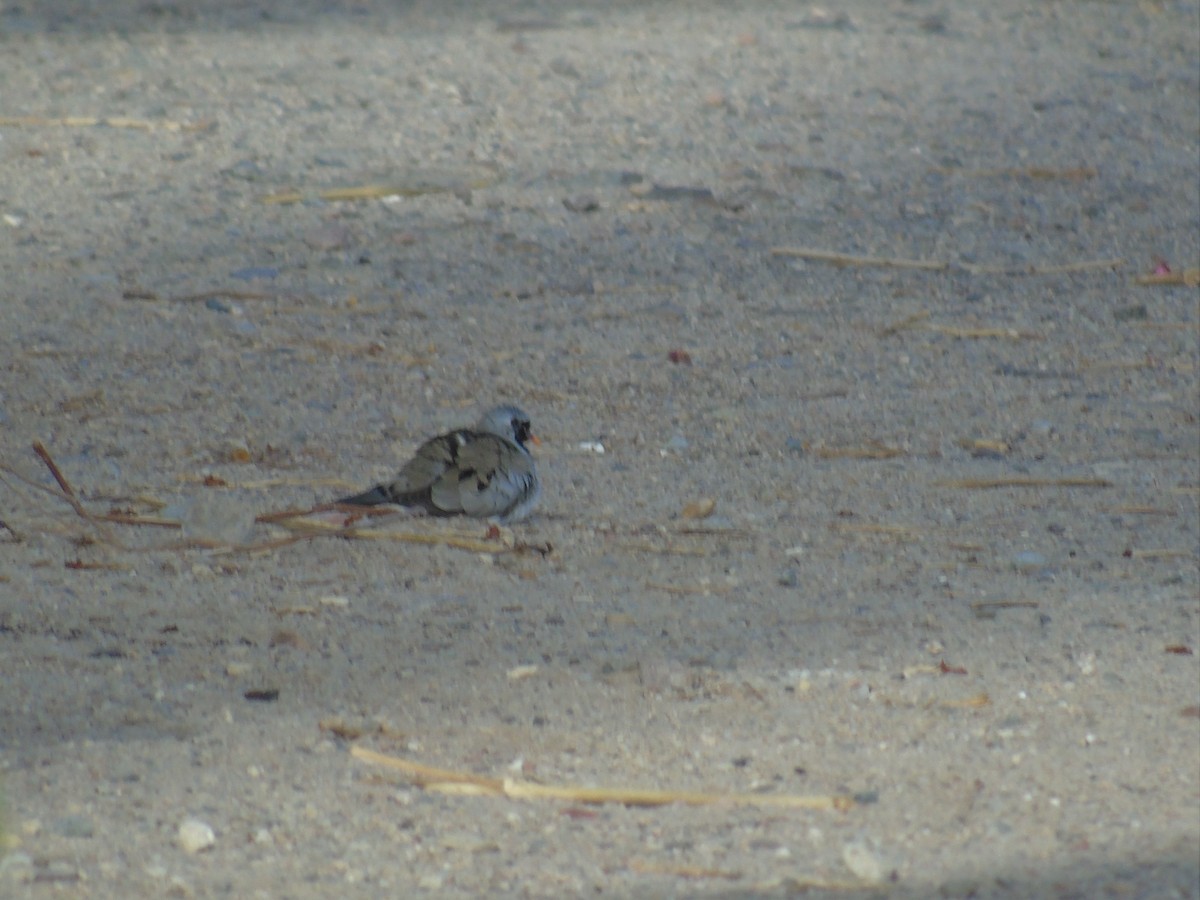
952, 568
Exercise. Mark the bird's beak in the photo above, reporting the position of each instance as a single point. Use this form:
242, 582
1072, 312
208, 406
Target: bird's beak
535, 440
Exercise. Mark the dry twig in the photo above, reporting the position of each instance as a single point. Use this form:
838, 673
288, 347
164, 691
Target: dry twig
935, 265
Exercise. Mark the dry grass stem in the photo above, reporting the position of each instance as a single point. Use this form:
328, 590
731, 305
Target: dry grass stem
1161, 554
905, 323
107, 122
847, 259
130, 519
1038, 173
987, 608
870, 451
1087, 265
45, 457
682, 589
664, 549
201, 297
448, 781
1010, 334
81, 566
933, 265
1022, 481
378, 191
65, 493
1187, 278
697, 872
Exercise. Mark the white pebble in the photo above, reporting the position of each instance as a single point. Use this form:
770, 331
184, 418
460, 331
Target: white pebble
195, 836
863, 862
520, 673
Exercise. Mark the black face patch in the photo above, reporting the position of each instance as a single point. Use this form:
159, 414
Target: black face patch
521, 430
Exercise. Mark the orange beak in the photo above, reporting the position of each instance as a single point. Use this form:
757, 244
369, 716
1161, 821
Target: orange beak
535, 440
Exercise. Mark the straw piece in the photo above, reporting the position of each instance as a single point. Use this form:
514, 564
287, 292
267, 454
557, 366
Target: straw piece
447, 781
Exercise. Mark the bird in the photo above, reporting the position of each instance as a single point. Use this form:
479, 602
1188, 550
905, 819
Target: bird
485, 471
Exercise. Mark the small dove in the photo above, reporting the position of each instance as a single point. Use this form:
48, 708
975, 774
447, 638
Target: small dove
483, 471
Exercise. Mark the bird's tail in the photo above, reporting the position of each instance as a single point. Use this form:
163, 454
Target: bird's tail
373, 497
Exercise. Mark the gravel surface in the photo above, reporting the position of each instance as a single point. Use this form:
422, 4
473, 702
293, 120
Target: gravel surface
952, 560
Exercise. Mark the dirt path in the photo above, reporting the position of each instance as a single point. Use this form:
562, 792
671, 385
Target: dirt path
951, 567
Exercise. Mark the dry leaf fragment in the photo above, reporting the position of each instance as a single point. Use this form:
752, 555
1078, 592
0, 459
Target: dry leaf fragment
976, 702
341, 729
575, 812
1179, 649
285, 637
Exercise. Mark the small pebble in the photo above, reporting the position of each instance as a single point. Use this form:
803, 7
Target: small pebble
699, 509
328, 236
581, 203
74, 827
520, 673
677, 444
863, 862
57, 870
564, 67
243, 327
246, 170
195, 836
16, 867
1029, 559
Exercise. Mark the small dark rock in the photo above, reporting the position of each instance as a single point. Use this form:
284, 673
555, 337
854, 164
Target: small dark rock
582, 203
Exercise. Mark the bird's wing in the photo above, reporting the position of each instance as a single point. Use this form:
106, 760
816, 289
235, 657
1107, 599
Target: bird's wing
491, 476
414, 481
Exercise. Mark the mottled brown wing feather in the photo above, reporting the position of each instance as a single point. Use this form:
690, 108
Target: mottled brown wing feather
489, 478
414, 482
